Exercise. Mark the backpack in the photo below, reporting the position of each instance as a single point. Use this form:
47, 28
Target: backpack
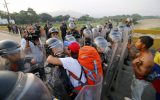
91, 63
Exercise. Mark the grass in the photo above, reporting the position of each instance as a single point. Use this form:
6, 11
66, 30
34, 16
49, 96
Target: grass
3, 28
149, 31
155, 46
157, 28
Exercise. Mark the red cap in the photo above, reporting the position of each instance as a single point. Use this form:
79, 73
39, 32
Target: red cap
74, 47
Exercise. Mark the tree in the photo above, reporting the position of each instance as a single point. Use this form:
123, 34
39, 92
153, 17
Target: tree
44, 17
86, 18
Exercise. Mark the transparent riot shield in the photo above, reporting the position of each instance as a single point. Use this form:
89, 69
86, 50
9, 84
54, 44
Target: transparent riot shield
54, 82
121, 61
115, 65
91, 92
34, 58
112, 68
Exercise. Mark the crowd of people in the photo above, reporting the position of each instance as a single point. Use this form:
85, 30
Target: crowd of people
68, 61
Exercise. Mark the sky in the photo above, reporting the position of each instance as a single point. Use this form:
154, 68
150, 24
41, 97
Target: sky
95, 8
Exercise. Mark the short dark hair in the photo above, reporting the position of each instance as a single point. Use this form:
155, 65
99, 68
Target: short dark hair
147, 41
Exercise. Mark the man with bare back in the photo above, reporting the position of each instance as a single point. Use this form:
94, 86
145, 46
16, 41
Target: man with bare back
142, 64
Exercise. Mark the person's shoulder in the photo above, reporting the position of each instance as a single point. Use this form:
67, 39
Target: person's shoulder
149, 58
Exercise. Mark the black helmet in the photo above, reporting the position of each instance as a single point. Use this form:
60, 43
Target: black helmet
8, 47
53, 30
20, 86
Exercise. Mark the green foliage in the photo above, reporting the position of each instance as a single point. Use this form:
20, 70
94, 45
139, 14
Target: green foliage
86, 18
44, 17
25, 17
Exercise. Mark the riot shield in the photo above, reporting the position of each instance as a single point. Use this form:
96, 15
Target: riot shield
54, 82
112, 68
34, 58
91, 92
116, 63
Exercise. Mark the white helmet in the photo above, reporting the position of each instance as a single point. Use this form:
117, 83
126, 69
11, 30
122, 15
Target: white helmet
121, 28
72, 25
129, 20
115, 35
87, 33
71, 19
99, 26
101, 44
70, 38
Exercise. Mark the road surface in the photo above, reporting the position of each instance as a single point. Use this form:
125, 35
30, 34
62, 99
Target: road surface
10, 36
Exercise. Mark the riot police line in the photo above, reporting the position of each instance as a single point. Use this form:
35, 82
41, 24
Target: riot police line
111, 52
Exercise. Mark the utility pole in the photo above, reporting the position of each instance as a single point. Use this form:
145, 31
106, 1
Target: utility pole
9, 18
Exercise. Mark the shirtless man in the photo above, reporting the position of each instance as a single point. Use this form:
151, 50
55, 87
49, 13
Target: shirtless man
142, 64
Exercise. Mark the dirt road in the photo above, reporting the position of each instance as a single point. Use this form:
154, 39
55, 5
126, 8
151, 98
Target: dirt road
6, 35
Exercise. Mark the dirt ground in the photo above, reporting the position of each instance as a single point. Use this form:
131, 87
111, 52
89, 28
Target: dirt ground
147, 24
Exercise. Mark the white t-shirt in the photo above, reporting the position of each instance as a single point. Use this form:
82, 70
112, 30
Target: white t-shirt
73, 66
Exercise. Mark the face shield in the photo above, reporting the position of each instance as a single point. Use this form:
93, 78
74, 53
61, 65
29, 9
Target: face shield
69, 38
121, 28
55, 45
115, 36
87, 33
101, 44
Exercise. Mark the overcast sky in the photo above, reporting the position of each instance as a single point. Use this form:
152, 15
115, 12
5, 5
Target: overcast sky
94, 8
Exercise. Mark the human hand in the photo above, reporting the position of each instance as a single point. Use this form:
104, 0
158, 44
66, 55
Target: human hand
33, 61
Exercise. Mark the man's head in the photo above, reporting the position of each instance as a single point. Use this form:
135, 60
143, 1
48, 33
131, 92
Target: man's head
144, 42
30, 29
73, 49
53, 32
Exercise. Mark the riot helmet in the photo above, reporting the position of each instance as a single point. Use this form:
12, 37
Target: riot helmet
101, 44
99, 27
129, 20
20, 86
70, 38
87, 33
72, 25
115, 35
53, 32
55, 45
71, 19
8, 47
121, 28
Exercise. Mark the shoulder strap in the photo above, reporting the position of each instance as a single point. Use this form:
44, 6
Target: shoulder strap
75, 77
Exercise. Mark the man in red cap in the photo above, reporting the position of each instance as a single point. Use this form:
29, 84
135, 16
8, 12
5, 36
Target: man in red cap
71, 64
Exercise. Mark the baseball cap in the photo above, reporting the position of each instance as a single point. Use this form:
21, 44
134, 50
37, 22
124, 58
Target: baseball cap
74, 47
